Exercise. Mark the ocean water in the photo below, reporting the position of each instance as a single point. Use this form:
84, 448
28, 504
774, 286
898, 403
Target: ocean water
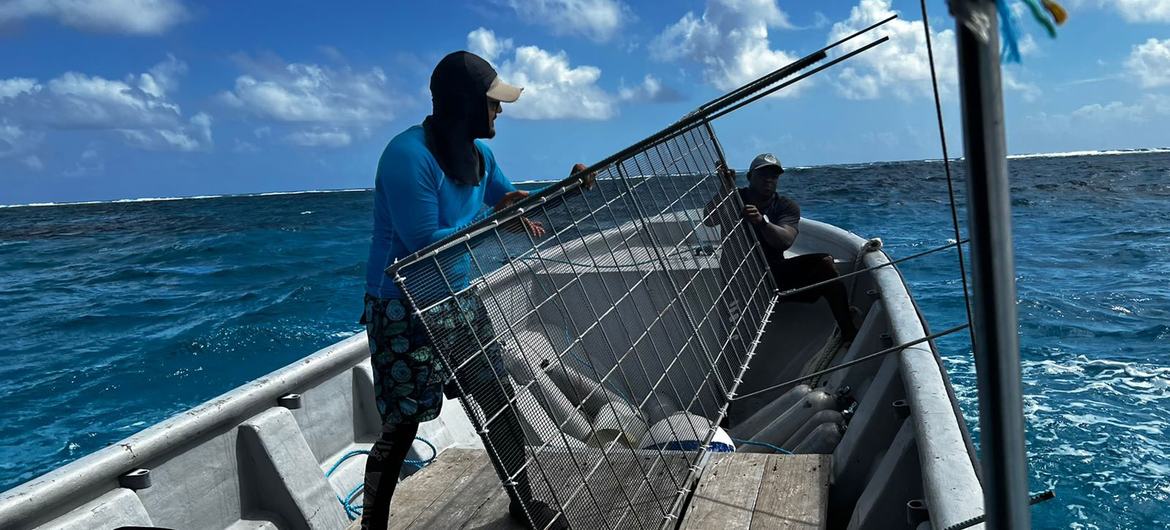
117, 315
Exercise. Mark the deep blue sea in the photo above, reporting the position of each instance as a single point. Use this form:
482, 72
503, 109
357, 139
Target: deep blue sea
117, 315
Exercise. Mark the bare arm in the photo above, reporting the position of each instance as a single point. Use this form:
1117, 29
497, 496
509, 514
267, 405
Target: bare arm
780, 237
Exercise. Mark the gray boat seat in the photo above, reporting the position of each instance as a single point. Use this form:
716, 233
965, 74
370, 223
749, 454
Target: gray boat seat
118, 507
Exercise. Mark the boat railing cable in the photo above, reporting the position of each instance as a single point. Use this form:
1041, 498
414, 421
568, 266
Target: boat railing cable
859, 360
790, 292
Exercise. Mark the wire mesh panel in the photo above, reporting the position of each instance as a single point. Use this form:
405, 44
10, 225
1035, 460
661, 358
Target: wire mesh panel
597, 359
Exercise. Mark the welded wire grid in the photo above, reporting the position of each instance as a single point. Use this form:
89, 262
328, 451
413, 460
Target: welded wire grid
596, 360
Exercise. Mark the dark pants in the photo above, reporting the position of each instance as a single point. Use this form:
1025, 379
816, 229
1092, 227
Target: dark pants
809, 269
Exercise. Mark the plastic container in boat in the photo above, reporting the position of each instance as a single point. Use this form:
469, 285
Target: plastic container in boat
762, 417
548, 396
619, 421
581, 389
785, 425
683, 431
821, 441
822, 417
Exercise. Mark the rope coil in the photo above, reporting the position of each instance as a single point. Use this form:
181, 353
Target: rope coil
352, 511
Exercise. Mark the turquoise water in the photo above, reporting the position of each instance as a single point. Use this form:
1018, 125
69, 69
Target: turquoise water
118, 315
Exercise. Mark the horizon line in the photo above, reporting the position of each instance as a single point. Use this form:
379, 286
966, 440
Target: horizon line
1021, 156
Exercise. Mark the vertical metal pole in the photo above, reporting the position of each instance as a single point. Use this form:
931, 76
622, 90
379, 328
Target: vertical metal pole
997, 351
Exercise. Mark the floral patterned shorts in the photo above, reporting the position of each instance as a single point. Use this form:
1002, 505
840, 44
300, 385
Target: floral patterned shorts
409, 375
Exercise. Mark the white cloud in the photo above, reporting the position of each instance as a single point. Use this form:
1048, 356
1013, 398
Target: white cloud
1150, 63
162, 77
33, 162
89, 164
650, 89
319, 138
553, 89
10, 88
242, 146
1147, 11
13, 139
138, 17
194, 137
137, 107
899, 66
483, 42
82, 102
314, 97
729, 42
1114, 117
1114, 111
598, 20
310, 93
1143, 10
1011, 81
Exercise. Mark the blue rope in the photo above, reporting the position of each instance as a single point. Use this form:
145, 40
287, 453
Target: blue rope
426, 461
352, 511
776, 448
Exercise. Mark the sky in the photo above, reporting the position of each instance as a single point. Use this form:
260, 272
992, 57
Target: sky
113, 99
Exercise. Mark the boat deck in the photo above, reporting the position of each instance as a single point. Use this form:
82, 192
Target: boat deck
751, 491
738, 491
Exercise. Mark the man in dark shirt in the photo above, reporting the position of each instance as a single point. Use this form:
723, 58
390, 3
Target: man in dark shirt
775, 220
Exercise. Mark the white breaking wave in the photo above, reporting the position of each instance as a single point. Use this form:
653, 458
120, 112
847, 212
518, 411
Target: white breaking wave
1092, 153
188, 198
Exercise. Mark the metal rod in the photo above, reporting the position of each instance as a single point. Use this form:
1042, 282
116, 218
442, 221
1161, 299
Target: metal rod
997, 353
778, 74
830, 64
890, 263
1038, 498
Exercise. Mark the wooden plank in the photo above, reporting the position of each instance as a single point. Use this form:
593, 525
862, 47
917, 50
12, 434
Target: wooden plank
461, 489
456, 506
493, 514
415, 495
794, 493
726, 496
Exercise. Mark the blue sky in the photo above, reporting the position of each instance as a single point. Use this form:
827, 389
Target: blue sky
158, 98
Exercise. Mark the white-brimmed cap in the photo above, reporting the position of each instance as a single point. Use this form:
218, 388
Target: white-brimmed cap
501, 91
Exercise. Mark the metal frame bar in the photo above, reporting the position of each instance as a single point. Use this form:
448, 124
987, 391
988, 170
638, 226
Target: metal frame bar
997, 349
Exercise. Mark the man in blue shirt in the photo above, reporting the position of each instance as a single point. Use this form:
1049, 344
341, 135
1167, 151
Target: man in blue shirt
433, 180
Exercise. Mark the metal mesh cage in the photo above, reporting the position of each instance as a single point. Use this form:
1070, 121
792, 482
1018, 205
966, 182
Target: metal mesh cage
598, 360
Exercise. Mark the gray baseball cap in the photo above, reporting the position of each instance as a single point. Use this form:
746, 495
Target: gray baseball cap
766, 159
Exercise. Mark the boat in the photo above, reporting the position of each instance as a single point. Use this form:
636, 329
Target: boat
257, 456
757, 374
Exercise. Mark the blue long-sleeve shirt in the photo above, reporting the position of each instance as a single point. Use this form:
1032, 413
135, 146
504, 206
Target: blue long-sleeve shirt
415, 204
